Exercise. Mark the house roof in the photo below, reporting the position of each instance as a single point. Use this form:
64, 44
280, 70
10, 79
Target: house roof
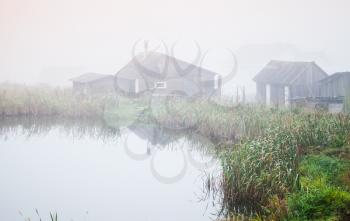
157, 65
288, 73
335, 76
89, 77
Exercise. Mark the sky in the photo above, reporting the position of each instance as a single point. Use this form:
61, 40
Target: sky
47, 41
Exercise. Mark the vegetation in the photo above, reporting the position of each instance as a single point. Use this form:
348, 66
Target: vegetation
53, 216
19, 100
325, 190
276, 164
272, 159
275, 175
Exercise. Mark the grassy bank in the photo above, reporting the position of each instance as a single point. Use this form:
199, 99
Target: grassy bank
276, 164
20, 100
296, 169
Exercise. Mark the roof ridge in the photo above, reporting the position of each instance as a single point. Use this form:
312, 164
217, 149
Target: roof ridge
292, 62
172, 57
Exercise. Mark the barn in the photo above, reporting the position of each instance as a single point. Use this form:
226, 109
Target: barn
93, 84
279, 82
164, 75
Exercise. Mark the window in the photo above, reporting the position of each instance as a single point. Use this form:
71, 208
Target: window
160, 85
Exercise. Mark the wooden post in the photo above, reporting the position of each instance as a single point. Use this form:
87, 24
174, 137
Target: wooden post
268, 95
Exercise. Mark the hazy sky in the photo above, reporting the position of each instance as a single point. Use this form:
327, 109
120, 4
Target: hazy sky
52, 41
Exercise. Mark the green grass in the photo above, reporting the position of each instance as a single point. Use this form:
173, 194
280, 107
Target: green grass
319, 202
332, 170
264, 169
324, 193
273, 160
124, 112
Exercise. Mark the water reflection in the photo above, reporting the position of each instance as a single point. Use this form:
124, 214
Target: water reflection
140, 172
75, 128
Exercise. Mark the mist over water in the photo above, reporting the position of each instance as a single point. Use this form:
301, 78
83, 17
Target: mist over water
88, 171
119, 129
51, 42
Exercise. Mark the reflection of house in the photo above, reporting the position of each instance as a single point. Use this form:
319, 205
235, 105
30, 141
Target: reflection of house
280, 81
154, 134
92, 83
161, 74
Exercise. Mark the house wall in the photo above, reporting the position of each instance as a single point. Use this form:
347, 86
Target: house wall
188, 87
277, 95
300, 90
184, 86
337, 87
261, 93
128, 86
102, 86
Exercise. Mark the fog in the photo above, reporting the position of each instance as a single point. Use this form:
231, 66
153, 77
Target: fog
46, 41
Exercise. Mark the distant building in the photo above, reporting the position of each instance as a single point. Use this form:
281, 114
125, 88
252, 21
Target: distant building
280, 82
163, 75
92, 83
335, 91
336, 85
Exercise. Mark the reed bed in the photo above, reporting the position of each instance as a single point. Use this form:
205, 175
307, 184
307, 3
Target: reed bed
265, 168
21, 100
261, 147
219, 123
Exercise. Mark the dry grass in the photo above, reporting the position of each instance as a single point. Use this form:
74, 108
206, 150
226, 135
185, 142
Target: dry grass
20, 100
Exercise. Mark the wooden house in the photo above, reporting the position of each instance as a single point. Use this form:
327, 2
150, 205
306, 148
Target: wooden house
93, 84
335, 89
164, 75
336, 85
279, 82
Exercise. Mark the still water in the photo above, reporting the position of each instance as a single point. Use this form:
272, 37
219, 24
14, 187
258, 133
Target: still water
90, 171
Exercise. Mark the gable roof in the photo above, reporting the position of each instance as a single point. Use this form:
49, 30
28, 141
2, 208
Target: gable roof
288, 73
89, 77
156, 65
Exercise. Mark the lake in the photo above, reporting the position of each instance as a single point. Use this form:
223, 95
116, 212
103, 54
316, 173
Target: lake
91, 171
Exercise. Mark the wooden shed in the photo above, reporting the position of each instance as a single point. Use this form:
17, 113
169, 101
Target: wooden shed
279, 82
336, 85
164, 75
93, 84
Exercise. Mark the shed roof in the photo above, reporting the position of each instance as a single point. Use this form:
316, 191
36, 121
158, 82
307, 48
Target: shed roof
158, 65
89, 77
335, 76
289, 73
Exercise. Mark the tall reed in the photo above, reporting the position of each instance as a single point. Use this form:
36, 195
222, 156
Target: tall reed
20, 100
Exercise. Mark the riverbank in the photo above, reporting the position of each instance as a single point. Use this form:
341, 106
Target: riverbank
277, 164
